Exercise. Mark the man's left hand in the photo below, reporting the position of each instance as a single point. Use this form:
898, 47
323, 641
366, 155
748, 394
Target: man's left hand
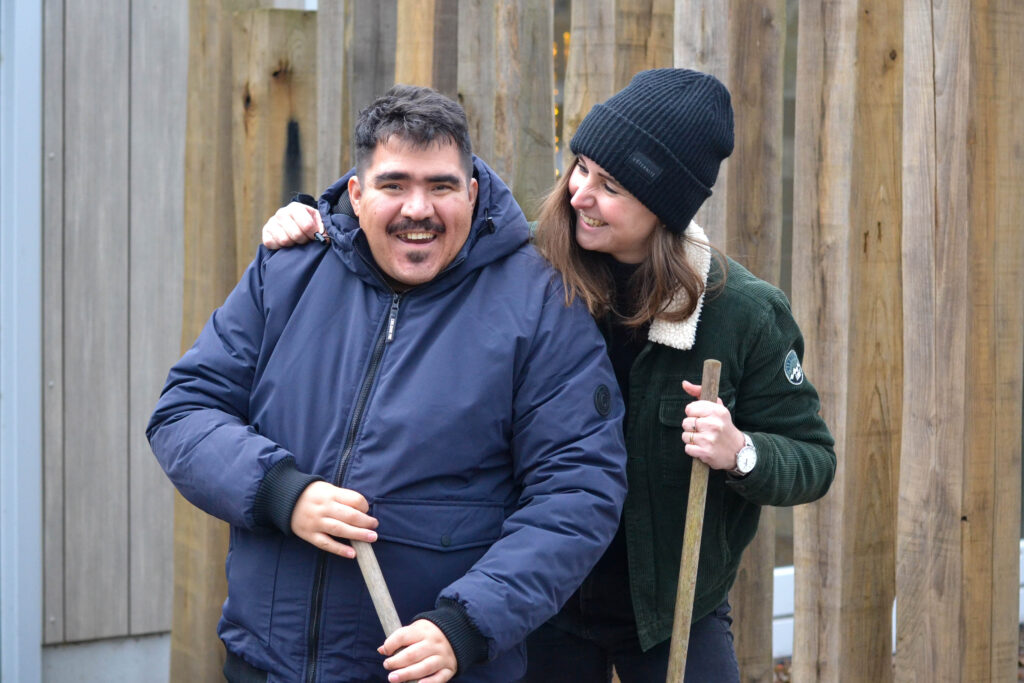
419, 651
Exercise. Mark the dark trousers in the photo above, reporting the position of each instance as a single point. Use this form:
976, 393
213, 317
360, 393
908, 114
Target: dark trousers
556, 655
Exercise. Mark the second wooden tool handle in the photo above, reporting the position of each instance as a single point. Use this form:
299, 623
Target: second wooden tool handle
691, 541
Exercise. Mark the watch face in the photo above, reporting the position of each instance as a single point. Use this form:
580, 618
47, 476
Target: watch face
746, 459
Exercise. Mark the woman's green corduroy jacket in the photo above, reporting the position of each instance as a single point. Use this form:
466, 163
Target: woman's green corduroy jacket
748, 326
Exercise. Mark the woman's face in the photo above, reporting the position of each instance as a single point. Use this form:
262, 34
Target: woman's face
608, 218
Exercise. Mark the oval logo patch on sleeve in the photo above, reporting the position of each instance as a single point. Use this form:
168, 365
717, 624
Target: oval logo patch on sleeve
794, 373
603, 400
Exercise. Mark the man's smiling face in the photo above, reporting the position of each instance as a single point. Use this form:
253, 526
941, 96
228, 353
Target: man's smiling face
415, 205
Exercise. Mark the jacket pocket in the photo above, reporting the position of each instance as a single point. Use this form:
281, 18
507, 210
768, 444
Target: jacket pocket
252, 571
445, 526
424, 546
673, 462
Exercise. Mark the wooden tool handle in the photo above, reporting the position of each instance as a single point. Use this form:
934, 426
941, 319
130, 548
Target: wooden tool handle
375, 583
374, 579
691, 541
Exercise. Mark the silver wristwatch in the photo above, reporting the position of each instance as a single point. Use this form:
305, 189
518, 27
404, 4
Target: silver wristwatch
746, 458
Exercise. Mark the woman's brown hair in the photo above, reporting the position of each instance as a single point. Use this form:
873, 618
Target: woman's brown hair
664, 274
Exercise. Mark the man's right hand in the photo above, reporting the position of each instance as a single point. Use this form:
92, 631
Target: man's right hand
325, 513
292, 224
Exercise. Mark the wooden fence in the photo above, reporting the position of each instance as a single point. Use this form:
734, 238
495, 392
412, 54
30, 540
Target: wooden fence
905, 256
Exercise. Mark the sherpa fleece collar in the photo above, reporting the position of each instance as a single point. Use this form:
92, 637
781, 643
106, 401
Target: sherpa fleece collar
681, 335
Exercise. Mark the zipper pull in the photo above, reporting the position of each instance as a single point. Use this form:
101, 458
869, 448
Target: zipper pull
393, 316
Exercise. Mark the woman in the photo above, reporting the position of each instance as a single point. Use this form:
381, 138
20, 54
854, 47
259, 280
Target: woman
618, 227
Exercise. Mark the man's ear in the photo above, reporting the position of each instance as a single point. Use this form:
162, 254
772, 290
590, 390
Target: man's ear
474, 187
355, 192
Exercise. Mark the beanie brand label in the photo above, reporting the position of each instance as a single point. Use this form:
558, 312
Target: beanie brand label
643, 164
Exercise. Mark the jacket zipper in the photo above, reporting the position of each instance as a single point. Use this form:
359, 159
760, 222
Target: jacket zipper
386, 335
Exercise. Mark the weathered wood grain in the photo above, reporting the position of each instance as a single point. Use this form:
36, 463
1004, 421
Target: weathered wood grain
477, 67
751, 599
506, 86
201, 541
757, 41
820, 304
644, 37
744, 45
53, 322
427, 53
590, 69
96, 319
997, 199
159, 64
414, 53
847, 229
372, 52
875, 343
333, 85
701, 39
445, 59
963, 259
535, 164
273, 117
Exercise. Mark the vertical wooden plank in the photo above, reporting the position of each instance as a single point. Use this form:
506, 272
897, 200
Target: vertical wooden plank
590, 70
875, 343
820, 304
964, 260
156, 193
757, 43
334, 121
372, 52
644, 37
201, 541
53, 322
743, 44
274, 126
997, 200
477, 72
414, 53
701, 37
506, 83
534, 166
933, 473
445, 61
427, 53
95, 319
847, 228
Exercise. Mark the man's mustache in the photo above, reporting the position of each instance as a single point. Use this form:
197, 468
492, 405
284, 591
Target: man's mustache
409, 225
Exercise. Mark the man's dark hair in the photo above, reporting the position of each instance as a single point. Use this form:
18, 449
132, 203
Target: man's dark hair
416, 115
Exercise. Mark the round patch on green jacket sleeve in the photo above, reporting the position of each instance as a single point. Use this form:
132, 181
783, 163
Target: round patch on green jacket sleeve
794, 373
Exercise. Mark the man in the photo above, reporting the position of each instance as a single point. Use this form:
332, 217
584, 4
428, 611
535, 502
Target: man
455, 412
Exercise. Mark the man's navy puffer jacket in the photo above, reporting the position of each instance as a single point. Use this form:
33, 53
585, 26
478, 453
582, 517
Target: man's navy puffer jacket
477, 413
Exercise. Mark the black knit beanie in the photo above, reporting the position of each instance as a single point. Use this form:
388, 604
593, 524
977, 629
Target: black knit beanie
662, 137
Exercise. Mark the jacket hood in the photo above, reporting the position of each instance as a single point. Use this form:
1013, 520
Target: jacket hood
499, 228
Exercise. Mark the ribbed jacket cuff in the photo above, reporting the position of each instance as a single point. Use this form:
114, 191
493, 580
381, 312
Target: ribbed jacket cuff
467, 642
280, 490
